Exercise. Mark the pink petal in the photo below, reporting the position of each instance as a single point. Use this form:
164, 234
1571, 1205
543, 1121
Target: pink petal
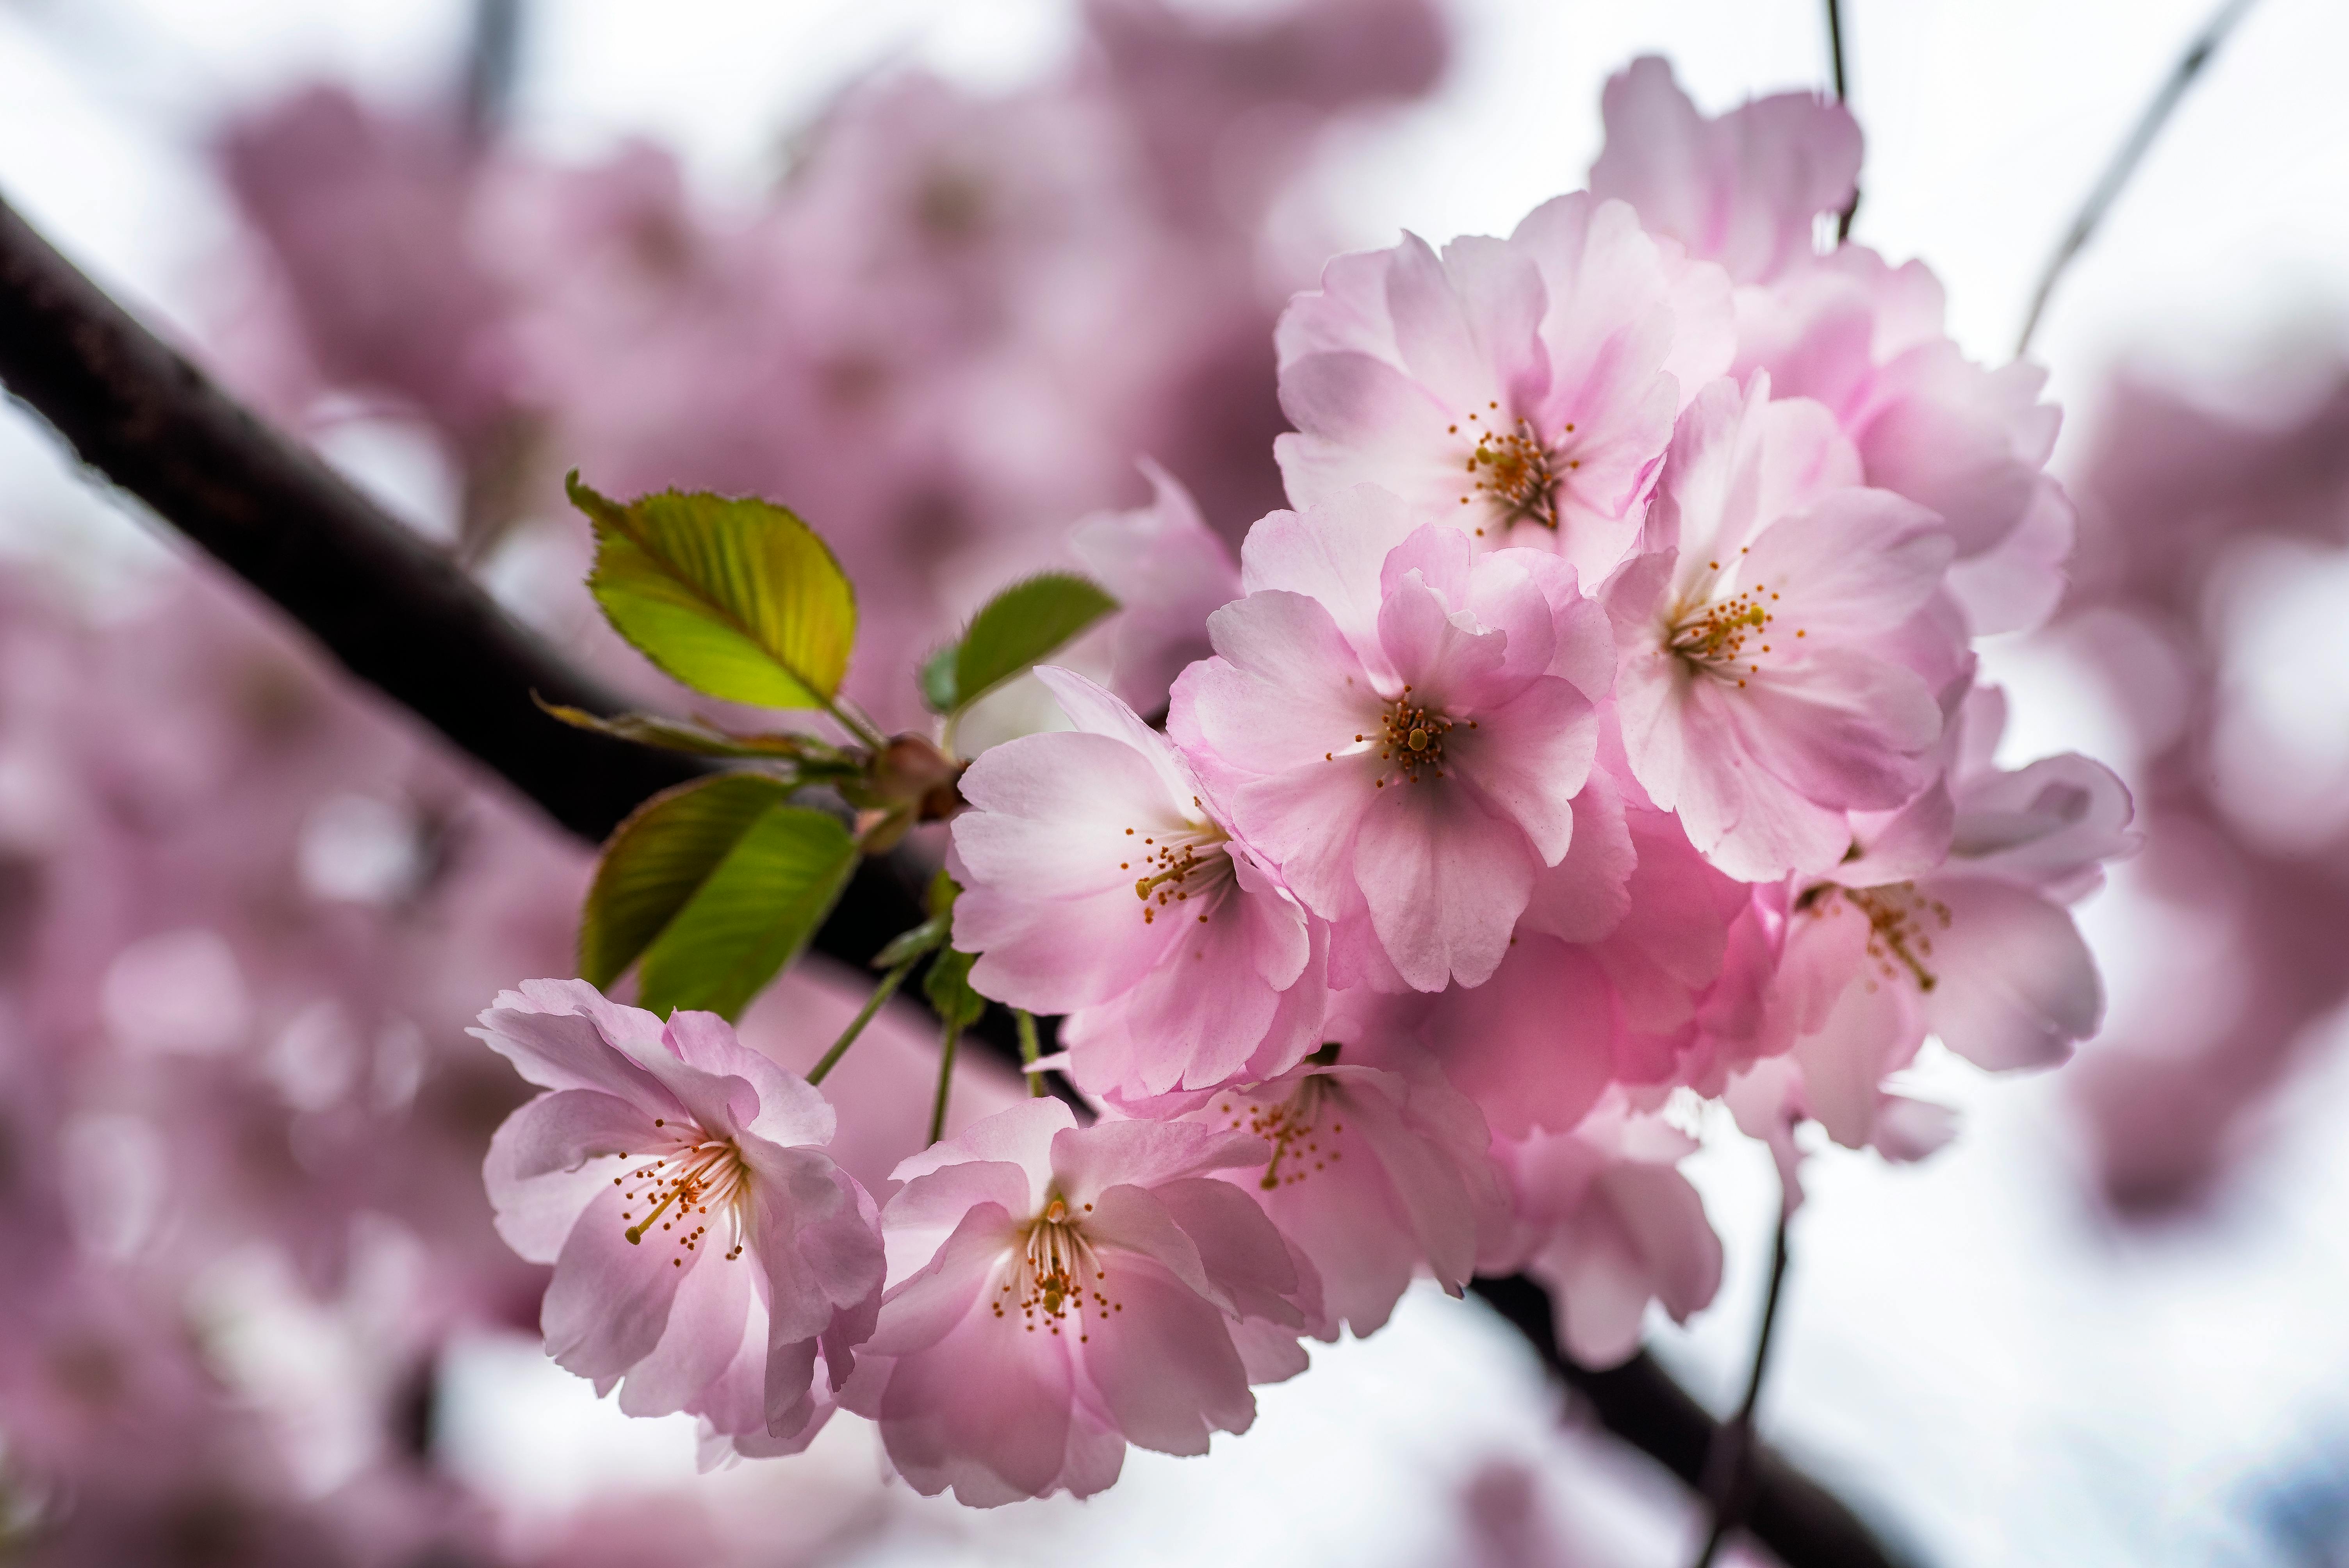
1087, 1160
1587, 894
1444, 877
1530, 757
1335, 552
609, 1300
1534, 1046
1164, 1365
2015, 986
705, 1332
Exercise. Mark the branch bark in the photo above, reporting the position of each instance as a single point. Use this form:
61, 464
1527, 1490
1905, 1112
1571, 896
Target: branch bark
404, 618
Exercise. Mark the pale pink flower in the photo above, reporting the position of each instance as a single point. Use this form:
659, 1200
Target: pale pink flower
1523, 389
1378, 1174
1169, 572
1059, 1292
1950, 921
720, 1253
1748, 189
1745, 189
1401, 738
1971, 444
1101, 879
1606, 1222
1782, 644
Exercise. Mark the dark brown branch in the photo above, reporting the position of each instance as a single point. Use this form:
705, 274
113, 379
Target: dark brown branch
1843, 95
2132, 152
395, 613
1729, 1481
402, 617
1790, 1513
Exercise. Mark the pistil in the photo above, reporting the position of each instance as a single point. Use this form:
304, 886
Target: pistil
1517, 470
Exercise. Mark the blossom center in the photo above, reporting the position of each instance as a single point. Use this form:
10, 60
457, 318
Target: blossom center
1294, 1128
675, 1188
1414, 737
1184, 867
1901, 920
1515, 470
1718, 635
1057, 1275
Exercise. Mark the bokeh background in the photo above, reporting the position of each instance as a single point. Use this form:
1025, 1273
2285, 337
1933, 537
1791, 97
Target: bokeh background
935, 272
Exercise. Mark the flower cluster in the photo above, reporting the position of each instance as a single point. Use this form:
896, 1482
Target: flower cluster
1597, 736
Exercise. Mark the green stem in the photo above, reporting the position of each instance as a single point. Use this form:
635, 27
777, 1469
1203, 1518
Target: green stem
945, 1081
1028, 1051
853, 719
881, 993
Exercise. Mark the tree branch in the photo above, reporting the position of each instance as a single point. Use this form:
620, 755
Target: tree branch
2132, 152
403, 617
1843, 95
1787, 1511
1730, 1468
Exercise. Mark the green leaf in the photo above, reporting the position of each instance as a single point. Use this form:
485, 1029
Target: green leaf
658, 859
701, 739
937, 678
1021, 625
737, 598
907, 945
939, 897
752, 915
947, 985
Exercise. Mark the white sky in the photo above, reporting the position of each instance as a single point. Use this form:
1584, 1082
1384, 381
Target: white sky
1962, 1344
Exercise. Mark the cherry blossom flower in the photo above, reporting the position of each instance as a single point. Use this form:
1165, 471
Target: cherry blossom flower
1378, 1174
1169, 571
1058, 1292
1745, 189
1522, 388
1950, 921
1399, 741
1867, 340
1848, 329
1609, 1224
1781, 649
719, 1253
1101, 879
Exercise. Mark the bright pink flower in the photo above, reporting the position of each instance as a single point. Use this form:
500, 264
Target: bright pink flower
1746, 189
1378, 1174
1522, 388
1169, 571
1607, 978
1061, 1291
1781, 646
1609, 1224
1101, 880
1395, 728
720, 1254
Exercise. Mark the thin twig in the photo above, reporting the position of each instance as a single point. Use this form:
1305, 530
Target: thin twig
1843, 95
881, 993
490, 63
1730, 1484
1030, 1050
2124, 164
945, 1081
